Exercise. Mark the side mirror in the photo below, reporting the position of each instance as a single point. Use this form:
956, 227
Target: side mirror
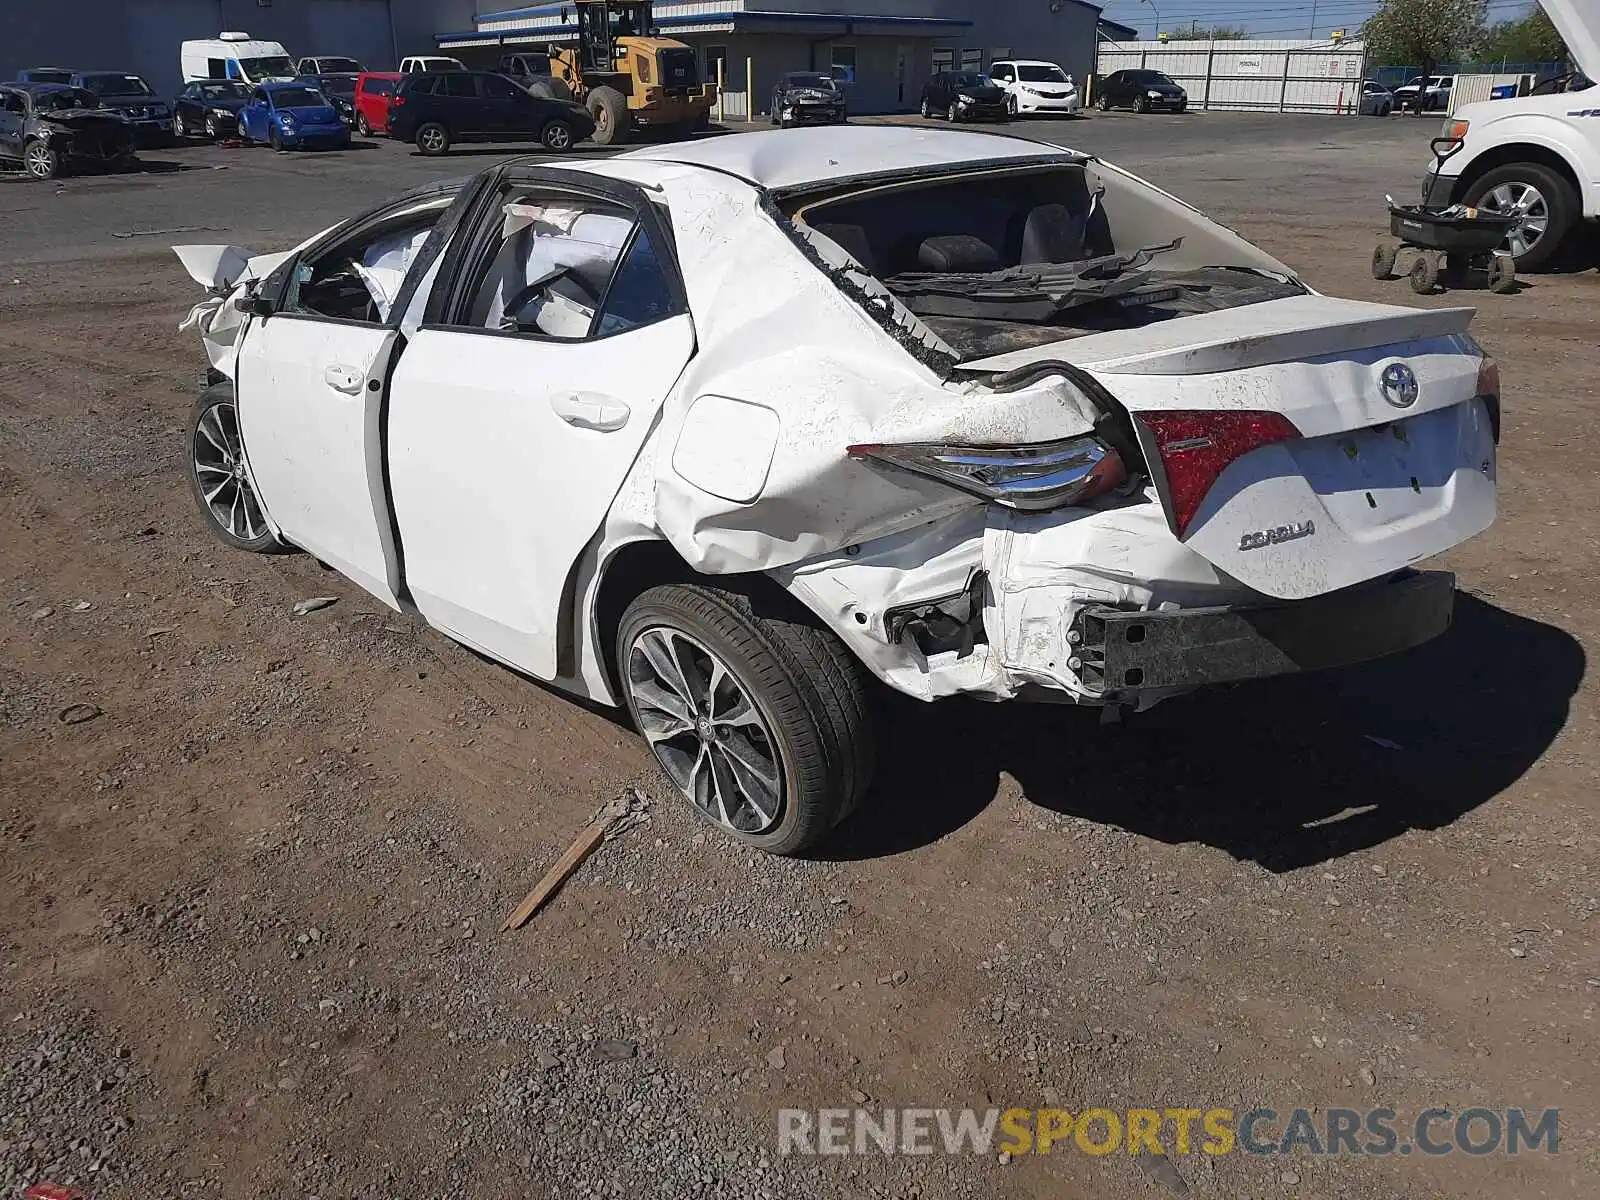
254, 305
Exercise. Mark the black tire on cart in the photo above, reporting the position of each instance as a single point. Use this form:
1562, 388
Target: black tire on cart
1502, 274
1424, 273
1383, 256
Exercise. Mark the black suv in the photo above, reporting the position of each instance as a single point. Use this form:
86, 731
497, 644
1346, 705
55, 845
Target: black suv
436, 110
965, 96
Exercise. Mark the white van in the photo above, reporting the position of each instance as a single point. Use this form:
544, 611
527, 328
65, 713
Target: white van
235, 56
1537, 157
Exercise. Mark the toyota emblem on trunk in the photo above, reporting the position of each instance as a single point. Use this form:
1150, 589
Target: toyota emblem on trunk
1399, 385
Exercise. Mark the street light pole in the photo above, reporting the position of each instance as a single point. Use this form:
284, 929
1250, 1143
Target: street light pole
1157, 11
1311, 32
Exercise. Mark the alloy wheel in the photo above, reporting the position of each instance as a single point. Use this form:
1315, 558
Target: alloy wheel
224, 483
432, 140
705, 730
558, 137
1523, 200
180, 127
40, 160
211, 128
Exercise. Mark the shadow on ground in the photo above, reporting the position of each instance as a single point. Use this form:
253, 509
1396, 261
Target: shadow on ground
1286, 773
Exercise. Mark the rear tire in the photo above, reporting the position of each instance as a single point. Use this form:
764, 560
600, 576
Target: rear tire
927, 110
799, 756
1383, 256
954, 115
609, 108
557, 137
433, 139
180, 127
1102, 103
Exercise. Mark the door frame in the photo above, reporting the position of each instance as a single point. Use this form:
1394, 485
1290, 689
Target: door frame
275, 288
453, 293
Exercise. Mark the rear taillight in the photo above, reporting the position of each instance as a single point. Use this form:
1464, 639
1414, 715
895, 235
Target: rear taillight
1489, 393
1196, 447
1032, 478
396, 101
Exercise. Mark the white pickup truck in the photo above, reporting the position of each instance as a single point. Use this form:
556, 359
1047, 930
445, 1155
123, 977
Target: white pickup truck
1537, 156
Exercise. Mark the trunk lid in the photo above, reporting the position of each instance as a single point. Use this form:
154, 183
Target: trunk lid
1378, 478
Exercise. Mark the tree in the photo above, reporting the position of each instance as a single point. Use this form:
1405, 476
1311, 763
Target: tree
1200, 33
1424, 33
1530, 38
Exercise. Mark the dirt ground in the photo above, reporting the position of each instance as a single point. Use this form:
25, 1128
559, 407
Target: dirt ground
249, 908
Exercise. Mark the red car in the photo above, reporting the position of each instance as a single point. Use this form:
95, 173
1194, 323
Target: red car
374, 90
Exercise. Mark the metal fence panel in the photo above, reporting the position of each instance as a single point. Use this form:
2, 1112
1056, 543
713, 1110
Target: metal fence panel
1255, 75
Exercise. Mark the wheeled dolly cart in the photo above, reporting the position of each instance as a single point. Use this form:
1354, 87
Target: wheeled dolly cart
1448, 243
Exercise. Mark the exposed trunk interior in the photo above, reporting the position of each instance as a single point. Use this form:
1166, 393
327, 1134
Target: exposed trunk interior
1009, 259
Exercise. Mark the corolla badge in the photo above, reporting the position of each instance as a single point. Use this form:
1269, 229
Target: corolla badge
1399, 385
1260, 539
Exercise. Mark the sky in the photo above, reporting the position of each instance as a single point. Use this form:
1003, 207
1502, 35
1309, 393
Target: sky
1267, 18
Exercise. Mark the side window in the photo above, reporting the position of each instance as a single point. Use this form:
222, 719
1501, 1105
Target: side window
421, 85
216, 68
11, 102
1005, 73
359, 279
570, 269
496, 88
460, 86
640, 291
259, 96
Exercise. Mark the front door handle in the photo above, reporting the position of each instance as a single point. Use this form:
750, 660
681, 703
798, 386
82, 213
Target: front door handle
585, 410
344, 379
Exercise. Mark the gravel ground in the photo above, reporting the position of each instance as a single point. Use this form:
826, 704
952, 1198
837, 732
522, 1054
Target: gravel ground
251, 887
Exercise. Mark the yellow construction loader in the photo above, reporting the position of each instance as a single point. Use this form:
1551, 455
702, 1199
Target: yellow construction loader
626, 74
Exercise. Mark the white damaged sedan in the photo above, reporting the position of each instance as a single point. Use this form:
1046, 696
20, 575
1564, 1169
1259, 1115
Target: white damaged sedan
724, 431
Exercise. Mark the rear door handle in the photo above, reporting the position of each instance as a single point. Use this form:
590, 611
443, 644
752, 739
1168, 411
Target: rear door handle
603, 414
344, 379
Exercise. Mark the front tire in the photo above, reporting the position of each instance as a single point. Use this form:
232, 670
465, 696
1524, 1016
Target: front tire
609, 108
40, 160
433, 139
954, 115
1547, 202
1103, 104
218, 479
927, 110
362, 127
274, 139
759, 720
180, 127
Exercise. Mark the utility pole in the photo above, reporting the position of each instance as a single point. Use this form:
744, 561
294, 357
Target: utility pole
1311, 32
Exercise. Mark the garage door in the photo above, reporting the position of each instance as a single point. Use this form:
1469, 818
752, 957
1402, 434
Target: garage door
153, 31
357, 28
